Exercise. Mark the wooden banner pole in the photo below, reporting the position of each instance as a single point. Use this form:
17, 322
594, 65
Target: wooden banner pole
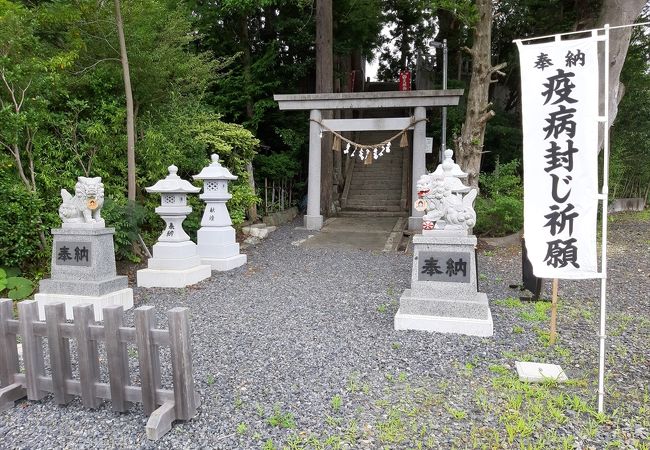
553, 334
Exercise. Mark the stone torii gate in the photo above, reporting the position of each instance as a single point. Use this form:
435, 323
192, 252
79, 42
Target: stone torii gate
419, 100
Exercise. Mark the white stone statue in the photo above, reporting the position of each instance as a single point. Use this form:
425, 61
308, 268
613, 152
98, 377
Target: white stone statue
440, 194
86, 205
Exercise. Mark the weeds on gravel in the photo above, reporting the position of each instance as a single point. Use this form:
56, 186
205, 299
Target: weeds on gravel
336, 403
509, 302
455, 413
241, 428
392, 430
353, 382
281, 419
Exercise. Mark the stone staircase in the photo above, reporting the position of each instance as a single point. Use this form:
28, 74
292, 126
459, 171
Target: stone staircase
376, 189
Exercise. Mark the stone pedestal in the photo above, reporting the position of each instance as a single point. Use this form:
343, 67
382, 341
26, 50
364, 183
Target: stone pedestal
444, 296
83, 271
174, 264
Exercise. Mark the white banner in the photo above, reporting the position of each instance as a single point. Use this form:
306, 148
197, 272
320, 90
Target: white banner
559, 85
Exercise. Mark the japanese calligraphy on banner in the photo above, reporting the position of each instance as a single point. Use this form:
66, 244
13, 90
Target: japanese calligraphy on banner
559, 84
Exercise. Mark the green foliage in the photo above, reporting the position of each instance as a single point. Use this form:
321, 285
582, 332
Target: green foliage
502, 139
126, 218
71, 120
242, 198
19, 235
499, 208
277, 166
16, 287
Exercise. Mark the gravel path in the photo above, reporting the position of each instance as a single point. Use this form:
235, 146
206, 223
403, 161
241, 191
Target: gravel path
297, 350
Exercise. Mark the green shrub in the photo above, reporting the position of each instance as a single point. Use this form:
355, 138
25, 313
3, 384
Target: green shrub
126, 218
20, 222
500, 207
242, 198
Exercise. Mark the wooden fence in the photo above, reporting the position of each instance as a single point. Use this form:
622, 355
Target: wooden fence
163, 405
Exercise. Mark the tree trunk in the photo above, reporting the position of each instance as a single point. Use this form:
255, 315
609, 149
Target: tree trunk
324, 84
615, 12
469, 145
246, 63
130, 121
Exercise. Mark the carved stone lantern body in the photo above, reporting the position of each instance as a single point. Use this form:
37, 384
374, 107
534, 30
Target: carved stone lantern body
216, 237
175, 261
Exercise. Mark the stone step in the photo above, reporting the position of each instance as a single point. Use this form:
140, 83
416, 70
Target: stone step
392, 193
378, 203
376, 193
375, 185
373, 200
356, 213
378, 173
392, 208
380, 178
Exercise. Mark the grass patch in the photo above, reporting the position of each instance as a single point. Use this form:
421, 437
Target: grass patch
539, 313
510, 302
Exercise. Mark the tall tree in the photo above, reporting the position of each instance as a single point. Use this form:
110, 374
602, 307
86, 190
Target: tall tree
411, 26
324, 84
130, 116
469, 145
616, 12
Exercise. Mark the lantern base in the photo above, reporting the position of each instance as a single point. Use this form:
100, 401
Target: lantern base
223, 264
173, 278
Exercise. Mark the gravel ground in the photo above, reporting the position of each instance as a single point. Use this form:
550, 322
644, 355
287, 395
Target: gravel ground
297, 350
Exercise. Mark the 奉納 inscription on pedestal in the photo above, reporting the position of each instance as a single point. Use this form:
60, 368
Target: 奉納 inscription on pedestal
73, 253
444, 266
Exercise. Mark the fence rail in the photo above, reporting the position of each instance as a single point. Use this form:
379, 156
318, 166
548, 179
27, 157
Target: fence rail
162, 405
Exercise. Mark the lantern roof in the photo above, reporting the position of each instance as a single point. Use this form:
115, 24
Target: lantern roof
215, 171
173, 184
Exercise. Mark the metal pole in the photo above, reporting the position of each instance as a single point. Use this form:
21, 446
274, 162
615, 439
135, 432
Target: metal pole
443, 138
604, 198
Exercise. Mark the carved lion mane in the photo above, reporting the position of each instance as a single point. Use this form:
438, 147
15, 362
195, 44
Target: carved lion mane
85, 206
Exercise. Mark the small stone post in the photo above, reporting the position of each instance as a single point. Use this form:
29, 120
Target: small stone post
216, 237
175, 261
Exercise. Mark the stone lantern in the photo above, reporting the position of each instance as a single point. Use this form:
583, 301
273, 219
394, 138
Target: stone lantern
216, 237
175, 262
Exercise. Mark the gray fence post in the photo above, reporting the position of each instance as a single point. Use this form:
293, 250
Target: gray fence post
32, 349
118, 358
148, 357
181, 355
59, 351
8, 345
88, 355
